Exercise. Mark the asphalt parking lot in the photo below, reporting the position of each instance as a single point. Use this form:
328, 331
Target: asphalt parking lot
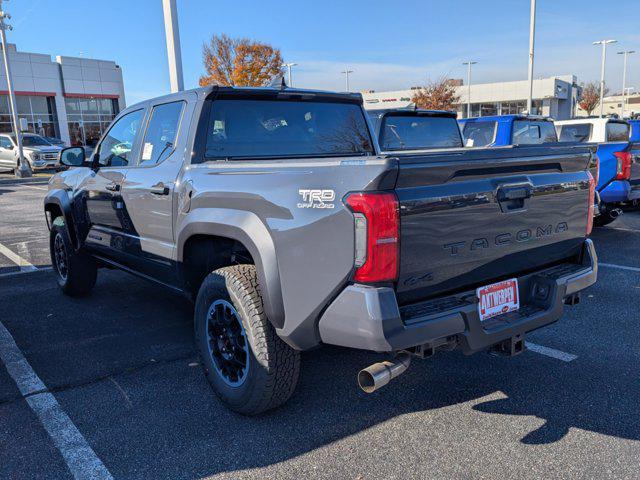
124, 395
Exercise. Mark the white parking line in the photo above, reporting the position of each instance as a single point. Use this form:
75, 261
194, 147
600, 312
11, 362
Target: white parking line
551, 352
21, 272
621, 267
17, 259
623, 229
35, 188
78, 455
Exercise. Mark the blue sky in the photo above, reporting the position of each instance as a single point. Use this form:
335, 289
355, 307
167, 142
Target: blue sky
389, 44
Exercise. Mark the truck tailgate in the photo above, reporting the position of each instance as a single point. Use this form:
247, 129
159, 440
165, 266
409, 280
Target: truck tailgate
472, 217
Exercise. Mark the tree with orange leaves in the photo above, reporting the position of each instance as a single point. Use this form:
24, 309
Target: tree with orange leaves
436, 95
590, 97
239, 62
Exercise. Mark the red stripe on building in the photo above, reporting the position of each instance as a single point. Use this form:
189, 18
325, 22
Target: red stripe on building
33, 94
90, 95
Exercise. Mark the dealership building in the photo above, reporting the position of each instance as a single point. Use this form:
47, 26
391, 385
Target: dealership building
71, 98
554, 97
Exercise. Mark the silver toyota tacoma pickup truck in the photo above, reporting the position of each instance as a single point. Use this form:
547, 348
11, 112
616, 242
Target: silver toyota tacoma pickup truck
276, 211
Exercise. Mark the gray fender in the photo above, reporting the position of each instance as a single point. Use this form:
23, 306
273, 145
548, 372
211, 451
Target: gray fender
60, 199
246, 228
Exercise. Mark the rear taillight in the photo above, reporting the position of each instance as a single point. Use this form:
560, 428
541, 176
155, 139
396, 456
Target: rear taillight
377, 223
591, 206
623, 169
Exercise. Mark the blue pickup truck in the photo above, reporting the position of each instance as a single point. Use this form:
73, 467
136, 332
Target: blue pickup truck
614, 154
634, 181
502, 130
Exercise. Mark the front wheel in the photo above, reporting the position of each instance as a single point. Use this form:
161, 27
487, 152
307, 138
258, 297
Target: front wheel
248, 366
76, 272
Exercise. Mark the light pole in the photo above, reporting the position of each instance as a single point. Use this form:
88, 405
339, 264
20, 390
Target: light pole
626, 53
346, 72
172, 34
468, 64
604, 44
288, 66
532, 39
23, 170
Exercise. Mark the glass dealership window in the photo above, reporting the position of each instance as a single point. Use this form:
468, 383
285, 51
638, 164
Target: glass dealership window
39, 112
89, 118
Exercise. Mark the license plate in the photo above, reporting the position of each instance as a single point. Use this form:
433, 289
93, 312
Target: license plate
497, 299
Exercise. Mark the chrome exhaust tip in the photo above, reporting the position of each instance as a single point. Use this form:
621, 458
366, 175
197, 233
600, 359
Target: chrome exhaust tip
379, 374
615, 213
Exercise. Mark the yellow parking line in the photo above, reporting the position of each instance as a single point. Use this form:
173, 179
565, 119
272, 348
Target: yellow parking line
24, 265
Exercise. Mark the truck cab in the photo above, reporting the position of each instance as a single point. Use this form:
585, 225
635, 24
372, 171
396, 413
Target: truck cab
614, 172
503, 130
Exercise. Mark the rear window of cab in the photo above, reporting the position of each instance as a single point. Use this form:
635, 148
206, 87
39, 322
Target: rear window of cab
259, 128
533, 132
419, 132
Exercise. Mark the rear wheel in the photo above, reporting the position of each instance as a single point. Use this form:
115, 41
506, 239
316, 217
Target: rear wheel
603, 219
76, 272
248, 366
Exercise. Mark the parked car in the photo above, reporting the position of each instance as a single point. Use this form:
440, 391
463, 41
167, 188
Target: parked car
36, 150
276, 211
614, 173
414, 129
502, 130
634, 180
55, 141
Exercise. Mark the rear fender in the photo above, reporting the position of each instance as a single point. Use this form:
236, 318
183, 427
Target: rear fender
246, 228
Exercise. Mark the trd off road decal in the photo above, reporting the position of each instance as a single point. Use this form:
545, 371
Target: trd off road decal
316, 198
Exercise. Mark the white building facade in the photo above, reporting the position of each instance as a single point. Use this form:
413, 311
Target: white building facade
70, 98
554, 97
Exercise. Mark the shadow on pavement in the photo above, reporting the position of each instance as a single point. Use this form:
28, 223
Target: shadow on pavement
163, 409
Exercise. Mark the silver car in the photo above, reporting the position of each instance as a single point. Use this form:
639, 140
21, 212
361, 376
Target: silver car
37, 151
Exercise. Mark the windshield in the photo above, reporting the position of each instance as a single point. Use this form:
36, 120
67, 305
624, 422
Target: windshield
286, 128
34, 141
415, 132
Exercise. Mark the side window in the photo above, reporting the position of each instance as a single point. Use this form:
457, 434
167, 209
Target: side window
116, 146
617, 132
162, 132
5, 143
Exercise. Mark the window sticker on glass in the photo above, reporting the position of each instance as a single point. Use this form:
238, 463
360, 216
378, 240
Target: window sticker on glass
147, 151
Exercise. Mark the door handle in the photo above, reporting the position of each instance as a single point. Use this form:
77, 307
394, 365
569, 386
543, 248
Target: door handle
113, 187
159, 189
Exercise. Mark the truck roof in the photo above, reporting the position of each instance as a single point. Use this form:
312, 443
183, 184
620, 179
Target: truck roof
206, 91
414, 111
590, 120
506, 118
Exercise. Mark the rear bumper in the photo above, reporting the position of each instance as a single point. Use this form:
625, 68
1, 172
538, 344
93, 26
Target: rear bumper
369, 317
617, 191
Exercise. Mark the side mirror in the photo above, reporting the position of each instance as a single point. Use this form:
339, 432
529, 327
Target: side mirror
73, 157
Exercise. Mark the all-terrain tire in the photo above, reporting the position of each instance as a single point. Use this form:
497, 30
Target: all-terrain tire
602, 220
76, 272
272, 367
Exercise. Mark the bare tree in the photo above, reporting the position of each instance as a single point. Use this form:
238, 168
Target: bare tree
239, 61
436, 95
590, 97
